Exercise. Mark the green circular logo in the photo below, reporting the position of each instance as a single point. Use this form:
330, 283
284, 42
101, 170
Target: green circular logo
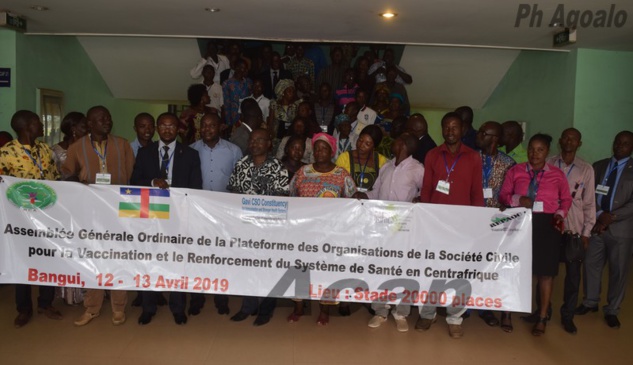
31, 195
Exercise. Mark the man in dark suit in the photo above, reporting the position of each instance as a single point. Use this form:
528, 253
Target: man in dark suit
612, 235
417, 126
272, 75
163, 164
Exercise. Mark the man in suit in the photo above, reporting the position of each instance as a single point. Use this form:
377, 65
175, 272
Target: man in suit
417, 126
251, 118
272, 75
163, 164
612, 239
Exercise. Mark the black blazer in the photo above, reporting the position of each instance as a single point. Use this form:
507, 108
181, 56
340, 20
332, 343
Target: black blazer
269, 91
186, 171
424, 146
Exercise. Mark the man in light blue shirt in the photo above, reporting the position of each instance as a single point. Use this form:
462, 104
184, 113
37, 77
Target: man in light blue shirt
217, 156
145, 127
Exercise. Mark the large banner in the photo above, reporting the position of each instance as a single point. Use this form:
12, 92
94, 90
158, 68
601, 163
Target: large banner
136, 238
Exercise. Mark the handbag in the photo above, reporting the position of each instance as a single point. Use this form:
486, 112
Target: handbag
572, 247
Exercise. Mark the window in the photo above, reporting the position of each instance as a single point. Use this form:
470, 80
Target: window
51, 114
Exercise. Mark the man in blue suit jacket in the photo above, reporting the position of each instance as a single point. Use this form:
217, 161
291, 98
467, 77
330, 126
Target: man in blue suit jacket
163, 164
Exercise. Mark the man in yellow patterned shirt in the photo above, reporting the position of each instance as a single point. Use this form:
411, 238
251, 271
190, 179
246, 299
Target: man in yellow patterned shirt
28, 158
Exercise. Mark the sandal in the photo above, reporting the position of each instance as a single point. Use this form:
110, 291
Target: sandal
539, 327
324, 319
294, 317
506, 322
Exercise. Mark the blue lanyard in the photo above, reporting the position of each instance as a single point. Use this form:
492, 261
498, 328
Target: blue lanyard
448, 171
534, 177
343, 147
362, 171
571, 167
37, 163
488, 167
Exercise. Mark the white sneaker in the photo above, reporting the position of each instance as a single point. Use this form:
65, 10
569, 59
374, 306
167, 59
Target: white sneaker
401, 324
376, 321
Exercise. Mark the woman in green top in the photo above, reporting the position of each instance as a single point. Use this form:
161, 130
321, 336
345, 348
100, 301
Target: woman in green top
364, 162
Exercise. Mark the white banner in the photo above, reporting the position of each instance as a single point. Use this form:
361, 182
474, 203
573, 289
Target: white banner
135, 238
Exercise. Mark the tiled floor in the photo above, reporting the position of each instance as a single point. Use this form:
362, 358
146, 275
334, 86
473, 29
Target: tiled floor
213, 339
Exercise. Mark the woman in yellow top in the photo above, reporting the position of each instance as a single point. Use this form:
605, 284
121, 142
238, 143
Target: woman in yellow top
364, 162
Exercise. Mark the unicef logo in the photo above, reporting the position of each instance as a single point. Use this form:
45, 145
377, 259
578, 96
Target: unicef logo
31, 195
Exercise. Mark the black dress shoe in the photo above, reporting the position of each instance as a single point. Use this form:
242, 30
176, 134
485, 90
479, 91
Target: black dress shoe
489, 318
569, 326
145, 318
194, 311
582, 310
180, 318
240, 316
224, 309
23, 318
261, 320
612, 321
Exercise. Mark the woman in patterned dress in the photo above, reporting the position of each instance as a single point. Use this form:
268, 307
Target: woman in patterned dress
322, 179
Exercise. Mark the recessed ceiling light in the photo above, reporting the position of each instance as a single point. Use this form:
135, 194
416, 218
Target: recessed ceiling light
388, 15
212, 10
39, 7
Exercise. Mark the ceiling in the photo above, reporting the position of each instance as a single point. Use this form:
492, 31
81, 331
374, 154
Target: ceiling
464, 39
489, 23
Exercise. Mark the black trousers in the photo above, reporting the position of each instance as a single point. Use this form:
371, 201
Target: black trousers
23, 301
178, 302
572, 287
263, 306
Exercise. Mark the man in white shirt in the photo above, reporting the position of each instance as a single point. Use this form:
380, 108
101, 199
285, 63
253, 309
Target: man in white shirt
258, 96
218, 61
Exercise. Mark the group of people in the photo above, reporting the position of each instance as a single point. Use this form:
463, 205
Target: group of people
354, 154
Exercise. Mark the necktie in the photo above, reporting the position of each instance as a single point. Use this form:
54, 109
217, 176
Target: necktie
164, 162
533, 188
605, 204
275, 78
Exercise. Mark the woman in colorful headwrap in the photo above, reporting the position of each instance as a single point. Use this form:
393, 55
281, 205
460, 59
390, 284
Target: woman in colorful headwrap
283, 109
322, 179
364, 162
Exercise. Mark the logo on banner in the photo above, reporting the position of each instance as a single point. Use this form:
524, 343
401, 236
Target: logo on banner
505, 222
144, 203
31, 195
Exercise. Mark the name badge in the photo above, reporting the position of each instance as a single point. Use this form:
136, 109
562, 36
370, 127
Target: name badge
487, 193
537, 207
104, 179
443, 187
362, 190
602, 189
